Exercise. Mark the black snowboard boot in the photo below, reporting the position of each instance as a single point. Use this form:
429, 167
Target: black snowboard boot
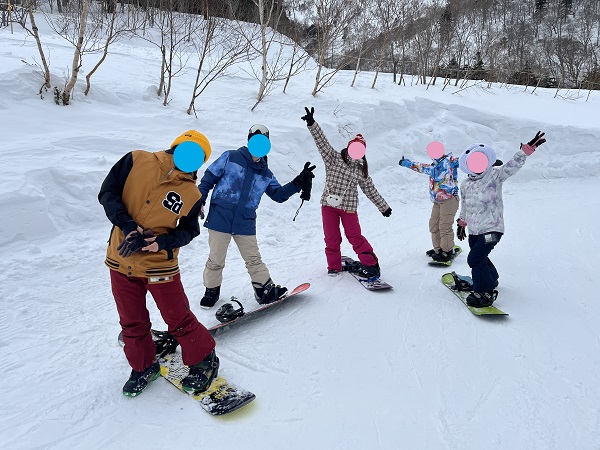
138, 381
369, 271
211, 296
268, 292
333, 272
443, 256
431, 252
202, 374
481, 299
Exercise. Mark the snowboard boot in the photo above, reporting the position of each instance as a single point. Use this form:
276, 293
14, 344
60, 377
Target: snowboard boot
431, 252
138, 381
268, 292
333, 272
443, 256
211, 295
369, 272
202, 374
481, 299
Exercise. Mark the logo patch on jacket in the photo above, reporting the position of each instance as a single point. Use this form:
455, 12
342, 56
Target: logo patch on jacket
173, 202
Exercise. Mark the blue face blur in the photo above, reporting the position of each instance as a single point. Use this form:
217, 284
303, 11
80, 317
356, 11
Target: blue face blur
188, 156
259, 145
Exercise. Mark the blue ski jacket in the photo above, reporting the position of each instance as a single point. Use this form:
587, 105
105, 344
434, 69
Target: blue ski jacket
238, 183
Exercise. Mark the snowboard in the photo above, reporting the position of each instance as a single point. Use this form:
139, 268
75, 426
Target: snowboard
457, 251
220, 398
349, 265
448, 281
222, 326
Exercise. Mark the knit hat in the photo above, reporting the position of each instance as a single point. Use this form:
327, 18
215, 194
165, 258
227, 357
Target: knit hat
198, 138
358, 138
476, 148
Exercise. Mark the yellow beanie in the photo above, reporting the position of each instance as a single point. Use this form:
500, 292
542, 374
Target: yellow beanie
198, 138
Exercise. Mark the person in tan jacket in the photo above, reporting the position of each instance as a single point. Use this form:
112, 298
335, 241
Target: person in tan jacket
153, 203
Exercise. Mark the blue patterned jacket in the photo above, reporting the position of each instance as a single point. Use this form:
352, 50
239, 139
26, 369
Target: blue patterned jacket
238, 183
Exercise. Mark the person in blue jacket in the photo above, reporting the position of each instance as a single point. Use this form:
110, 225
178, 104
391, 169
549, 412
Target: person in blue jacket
238, 179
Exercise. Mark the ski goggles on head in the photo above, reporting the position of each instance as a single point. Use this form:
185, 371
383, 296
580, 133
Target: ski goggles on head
258, 129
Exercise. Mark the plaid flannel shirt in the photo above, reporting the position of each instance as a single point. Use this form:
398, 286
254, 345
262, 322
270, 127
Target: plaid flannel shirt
341, 178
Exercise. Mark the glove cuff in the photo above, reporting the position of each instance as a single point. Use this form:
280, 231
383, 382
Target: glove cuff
528, 149
161, 240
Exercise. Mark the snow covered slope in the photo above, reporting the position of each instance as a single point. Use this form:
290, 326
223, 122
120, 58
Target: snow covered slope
340, 368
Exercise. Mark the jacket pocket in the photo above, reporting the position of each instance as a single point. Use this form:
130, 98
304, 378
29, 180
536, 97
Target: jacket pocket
250, 214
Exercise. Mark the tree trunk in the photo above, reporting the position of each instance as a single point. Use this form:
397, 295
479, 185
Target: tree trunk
355, 71
77, 55
36, 35
110, 36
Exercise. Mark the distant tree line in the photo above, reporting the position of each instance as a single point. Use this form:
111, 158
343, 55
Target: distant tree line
540, 43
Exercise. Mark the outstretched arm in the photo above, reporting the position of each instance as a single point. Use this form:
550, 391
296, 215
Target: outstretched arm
279, 193
416, 166
327, 152
513, 166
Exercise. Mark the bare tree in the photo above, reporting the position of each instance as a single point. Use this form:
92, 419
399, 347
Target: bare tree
331, 18
219, 47
66, 96
118, 26
33, 31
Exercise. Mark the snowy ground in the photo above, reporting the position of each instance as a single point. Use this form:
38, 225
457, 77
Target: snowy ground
339, 367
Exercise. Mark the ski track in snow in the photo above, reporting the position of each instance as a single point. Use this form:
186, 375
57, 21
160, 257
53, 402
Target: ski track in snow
338, 367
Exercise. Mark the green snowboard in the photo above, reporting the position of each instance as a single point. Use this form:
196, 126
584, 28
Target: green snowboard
448, 281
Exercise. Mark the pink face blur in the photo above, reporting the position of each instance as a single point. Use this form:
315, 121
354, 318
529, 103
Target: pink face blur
435, 149
356, 150
477, 162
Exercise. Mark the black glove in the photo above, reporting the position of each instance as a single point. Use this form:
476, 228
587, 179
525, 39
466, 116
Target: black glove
401, 160
537, 140
309, 116
134, 242
304, 181
460, 231
387, 212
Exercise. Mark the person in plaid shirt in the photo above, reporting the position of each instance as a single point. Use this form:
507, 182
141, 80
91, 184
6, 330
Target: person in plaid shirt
345, 170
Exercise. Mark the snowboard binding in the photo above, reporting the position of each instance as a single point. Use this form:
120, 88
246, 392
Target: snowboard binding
460, 284
165, 343
353, 266
227, 312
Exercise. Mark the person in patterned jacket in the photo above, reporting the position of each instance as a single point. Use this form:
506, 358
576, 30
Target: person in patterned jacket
443, 191
340, 200
482, 212
153, 206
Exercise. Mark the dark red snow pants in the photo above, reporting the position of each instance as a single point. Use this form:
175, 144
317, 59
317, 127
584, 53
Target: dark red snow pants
130, 296
333, 237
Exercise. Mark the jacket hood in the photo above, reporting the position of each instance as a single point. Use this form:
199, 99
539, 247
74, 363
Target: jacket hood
476, 148
261, 164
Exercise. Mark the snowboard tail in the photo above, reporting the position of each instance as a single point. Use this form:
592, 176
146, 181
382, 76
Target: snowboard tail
220, 398
448, 281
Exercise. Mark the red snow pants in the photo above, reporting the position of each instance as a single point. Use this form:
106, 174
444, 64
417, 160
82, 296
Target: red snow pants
130, 296
333, 237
